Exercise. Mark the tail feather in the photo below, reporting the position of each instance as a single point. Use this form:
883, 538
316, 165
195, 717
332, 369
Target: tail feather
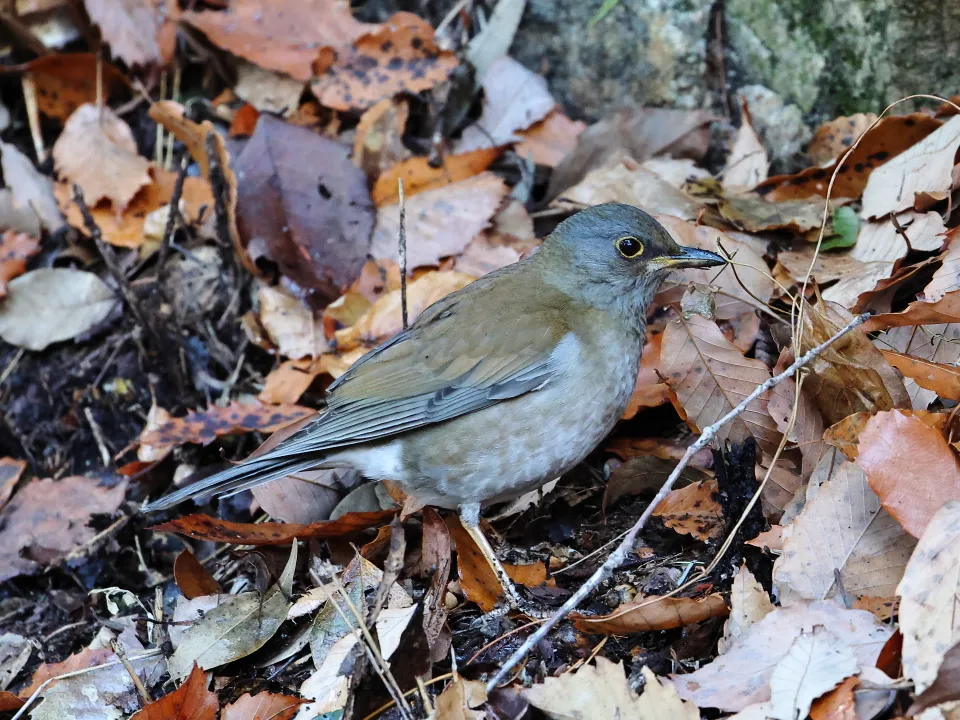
235, 479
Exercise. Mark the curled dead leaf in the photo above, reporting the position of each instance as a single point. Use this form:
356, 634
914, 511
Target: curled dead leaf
650, 613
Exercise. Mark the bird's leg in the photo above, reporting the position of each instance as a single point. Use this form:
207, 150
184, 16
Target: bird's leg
470, 519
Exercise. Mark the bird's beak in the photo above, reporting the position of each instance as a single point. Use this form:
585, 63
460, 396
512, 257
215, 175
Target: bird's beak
691, 258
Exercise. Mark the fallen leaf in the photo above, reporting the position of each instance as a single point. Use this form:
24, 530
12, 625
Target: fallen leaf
946, 686
31, 189
10, 472
651, 613
266, 90
550, 140
947, 277
278, 36
710, 376
295, 329
928, 592
15, 652
926, 168
204, 426
694, 510
204, 527
399, 56
262, 706
753, 213
9, 702
749, 604
287, 382
836, 136
96, 150
851, 375
639, 133
35, 532
891, 136
771, 539
15, 249
238, 626
127, 229
384, 319
838, 704
66, 81
193, 579
747, 163
303, 205
816, 663
601, 692
244, 121
487, 252
945, 310
842, 533
418, 175
328, 688
139, 32
942, 380
514, 98
648, 391
899, 454
741, 676
191, 700
625, 181
807, 432
307, 496
926, 346
50, 305
458, 700
378, 144
646, 473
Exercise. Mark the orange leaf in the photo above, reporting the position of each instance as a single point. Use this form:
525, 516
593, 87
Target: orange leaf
15, 249
263, 706
66, 81
9, 702
203, 426
910, 466
944, 380
192, 701
652, 613
693, 510
244, 121
399, 56
845, 435
648, 391
193, 579
418, 175
82, 660
204, 527
287, 382
838, 704
551, 139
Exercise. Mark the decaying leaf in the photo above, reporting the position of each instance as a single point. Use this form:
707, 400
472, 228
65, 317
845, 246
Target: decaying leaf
646, 614
399, 56
946, 686
15, 249
304, 206
947, 277
741, 676
306, 497
754, 213
191, 700
842, 532
203, 426
140, 32
266, 90
262, 706
749, 603
32, 192
649, 390
807, 432
900, 453
747, 164
418, 175
710, 376
96, 150
66, 81
193, 579
940, 379
551, 139
601, 692
646, 473
295, 329
378, 145
50, 305
836, 136
458, 700
693, 510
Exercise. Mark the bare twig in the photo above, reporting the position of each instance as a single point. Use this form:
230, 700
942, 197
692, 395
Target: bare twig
33, 114
98, 436
172, 219
145, 698
391, 569
618, 556
402, 242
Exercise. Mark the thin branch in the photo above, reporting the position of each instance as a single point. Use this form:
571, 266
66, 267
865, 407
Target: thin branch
619, 556
402, 242
172, 219
119, 651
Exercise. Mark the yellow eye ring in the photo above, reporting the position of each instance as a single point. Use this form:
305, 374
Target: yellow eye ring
629, 247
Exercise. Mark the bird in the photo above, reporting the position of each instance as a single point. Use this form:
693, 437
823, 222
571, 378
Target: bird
497, 388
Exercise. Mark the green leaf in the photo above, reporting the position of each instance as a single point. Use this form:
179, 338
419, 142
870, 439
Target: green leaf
604, 10
846, 225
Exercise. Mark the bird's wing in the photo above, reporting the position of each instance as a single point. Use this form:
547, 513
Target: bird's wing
456, 359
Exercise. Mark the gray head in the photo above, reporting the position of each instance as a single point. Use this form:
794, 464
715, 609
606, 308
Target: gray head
617, 255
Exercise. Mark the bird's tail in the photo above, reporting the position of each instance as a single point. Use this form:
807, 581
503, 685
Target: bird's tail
233, 480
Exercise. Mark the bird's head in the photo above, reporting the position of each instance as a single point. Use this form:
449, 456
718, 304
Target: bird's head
615, 256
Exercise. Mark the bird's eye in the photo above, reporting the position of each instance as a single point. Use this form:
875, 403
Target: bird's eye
629, 247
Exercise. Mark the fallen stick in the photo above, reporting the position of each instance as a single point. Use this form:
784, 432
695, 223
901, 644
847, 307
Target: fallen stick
618, 556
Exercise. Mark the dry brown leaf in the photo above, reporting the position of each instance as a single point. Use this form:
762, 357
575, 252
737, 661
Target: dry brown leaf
947, 277
295, 330
418, 175
96, 150
747, 164
927, 345
835, 137
35, 531
945, 310
400, 55
458, 700
127, 229
941, 379
514, 98
551, 139
649, 391
925, 169
946, 687
266, 90
851, 375
928, 594
31, 194
900, 453
891, 136
651, 613
64, 82
487, 252
287, 382
385, 318
807, 432
845, 435
10, 472
838, 704
15, 249
843, 532
262, 706
203, 426
749, 604
443, 220
753, 213
193, 579
694, 510
740, 677
305, 497
139, 32
771, 539
286, 37
710, 376
244, 121
378, 144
